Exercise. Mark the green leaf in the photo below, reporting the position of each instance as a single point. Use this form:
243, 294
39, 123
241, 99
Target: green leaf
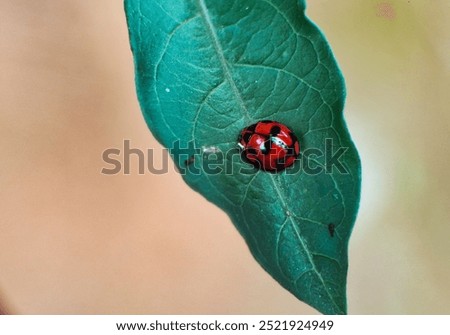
205, 69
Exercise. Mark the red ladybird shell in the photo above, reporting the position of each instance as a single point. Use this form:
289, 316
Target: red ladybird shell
269, 145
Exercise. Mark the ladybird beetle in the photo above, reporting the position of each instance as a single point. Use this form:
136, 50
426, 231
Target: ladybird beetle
269, 145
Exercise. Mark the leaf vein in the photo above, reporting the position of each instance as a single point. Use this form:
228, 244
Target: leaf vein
220, 54
302, 242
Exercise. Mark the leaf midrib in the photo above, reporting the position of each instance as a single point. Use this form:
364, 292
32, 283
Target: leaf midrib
308, 253
228, 76
220, 54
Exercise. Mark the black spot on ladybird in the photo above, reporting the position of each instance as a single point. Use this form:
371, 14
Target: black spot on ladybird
251, 129
275, 130
290, 151
293, 137
267, 147
251, 151
247, 136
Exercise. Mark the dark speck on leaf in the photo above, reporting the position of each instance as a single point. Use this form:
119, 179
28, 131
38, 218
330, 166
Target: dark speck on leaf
331, 228
189, 161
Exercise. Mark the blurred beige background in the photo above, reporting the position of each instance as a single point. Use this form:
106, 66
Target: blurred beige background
75, 241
